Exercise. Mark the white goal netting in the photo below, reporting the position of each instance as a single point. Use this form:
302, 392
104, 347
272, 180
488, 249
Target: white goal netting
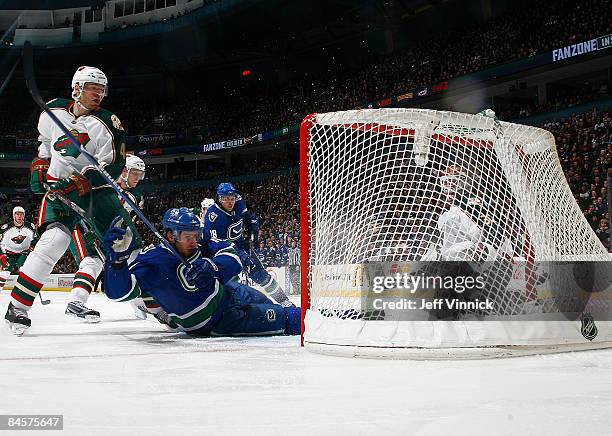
405, 185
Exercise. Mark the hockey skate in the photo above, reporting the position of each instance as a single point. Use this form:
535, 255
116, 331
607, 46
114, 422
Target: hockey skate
139, 308
17, 320
76, 309
165, 319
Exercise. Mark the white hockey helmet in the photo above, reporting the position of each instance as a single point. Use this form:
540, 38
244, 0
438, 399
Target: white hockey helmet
133, 162
18, 209
85, 75
207, 202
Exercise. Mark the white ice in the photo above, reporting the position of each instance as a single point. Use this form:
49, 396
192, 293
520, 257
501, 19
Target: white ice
125, 376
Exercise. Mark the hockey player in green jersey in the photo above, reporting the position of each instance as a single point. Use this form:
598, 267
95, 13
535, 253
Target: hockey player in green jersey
70, 174
83, 249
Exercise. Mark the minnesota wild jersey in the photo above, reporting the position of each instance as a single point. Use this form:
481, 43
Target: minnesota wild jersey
460, 231
100, 133
136, 196
17, 240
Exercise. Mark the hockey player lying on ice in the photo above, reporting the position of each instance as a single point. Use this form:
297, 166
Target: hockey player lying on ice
203, 299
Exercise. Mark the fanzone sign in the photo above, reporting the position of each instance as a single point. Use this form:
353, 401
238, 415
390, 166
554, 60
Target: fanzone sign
574, 50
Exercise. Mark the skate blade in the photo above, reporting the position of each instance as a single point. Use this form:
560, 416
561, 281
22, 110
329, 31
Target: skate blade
140, 314
89, 319
16, 329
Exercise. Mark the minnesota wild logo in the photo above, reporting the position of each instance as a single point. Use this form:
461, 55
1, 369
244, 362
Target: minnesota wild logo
18, 239
64, 146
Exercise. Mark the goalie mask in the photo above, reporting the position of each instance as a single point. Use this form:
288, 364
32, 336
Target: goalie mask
85, 75
453, 180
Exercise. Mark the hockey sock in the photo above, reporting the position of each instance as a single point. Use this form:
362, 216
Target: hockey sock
150, 304
274, 290
82, 287
38, 265
271, 286
25, 291
3, 278
85, 279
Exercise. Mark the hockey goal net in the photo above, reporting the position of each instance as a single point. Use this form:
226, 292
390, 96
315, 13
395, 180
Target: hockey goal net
377, 187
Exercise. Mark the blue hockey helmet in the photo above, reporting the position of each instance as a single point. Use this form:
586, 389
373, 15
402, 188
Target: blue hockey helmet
226, 189
180, 220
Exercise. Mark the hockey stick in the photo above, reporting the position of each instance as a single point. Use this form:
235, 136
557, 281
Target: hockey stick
28, 67
44, 302
85, 220
8, 77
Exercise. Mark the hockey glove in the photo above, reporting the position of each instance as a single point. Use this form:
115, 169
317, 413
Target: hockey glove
247, 262
38, 175
59, 208
202, 272
89, 238
75, 181
117, 242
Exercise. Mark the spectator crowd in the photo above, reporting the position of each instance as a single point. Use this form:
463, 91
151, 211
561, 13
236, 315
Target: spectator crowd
584, 141
474, 47
584, 144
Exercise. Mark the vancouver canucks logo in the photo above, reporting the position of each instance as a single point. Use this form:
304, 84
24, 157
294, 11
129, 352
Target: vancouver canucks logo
271, 315
18, 239
234, 231
588, 329
65, 147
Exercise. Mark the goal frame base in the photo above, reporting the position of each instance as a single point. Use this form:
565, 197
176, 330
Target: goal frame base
450, 340
464, 353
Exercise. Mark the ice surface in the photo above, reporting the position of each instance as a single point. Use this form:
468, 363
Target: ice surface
125, 376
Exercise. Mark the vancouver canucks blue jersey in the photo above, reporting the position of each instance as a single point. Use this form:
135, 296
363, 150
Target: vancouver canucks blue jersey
220, 225
157, 272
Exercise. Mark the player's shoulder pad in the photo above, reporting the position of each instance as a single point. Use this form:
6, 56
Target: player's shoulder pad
4, 226
110, 119
152, 250
137, 192
153, 254
60, 103
31, 225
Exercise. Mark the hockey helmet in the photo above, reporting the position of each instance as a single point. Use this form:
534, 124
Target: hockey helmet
18, 209
85, 75
182, 219
133, 162
207, 202
226, 190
